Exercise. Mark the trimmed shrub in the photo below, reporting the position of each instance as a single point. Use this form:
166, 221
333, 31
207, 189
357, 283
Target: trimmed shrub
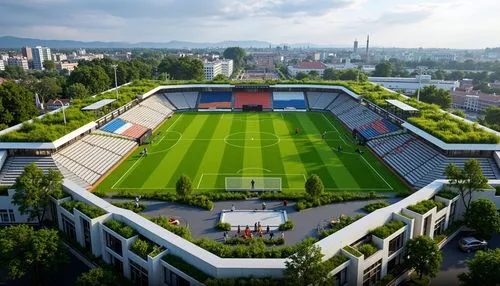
179, 230
387, 229
90, 211
286, 226
447, 194
424, 206
185, 267
353, 251
223, 226
130, 206
142, 248
375, 206
343, 222
335, 261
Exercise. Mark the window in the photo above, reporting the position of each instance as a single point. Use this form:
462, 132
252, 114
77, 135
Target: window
341, 277
117, 264
371, 275
453, 208
172, 279
396, 243
138, 274
86, 233
7, 216
113, 243
439, 225
426, 225
68, 227
395, 266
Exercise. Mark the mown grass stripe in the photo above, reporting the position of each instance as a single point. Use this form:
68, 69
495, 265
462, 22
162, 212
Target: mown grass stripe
146, 169
252, 159
190, 164
271, 155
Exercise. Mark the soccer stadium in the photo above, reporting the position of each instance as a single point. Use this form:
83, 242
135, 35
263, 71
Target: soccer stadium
248, 150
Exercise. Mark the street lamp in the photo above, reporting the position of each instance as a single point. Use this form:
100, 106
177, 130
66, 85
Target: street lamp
62, 107
116, 81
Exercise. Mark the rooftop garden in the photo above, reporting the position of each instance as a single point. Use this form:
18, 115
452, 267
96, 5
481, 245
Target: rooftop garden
387, 229
334, 262
367, 249
430, 118
447, 194
90, 211
185, 267
51, 127
145, 247
121, 228
375, 206
335, 226
425, 206
353, 251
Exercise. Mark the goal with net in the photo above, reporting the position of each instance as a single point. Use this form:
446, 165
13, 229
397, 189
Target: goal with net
257, 184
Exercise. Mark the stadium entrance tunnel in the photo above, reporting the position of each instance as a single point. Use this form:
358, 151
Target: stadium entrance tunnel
252, 139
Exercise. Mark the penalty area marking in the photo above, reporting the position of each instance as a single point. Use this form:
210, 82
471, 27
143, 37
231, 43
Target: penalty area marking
377, 173
340, 135
205, 175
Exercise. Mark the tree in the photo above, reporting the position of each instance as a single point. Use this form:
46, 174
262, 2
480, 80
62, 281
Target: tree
34, 189
483, 218
94, 78
183, 187
330, 74
49, 65
184, 68
314, 186
220, 77
97, 277
305, 267
459, 113
313, 74
383, 69
26, 251
353, 74
236, 54
47, 88
423, 255
455, 75
77, 90
301, 76
17, 102
483, 269
492, 115
467, 180
432, 94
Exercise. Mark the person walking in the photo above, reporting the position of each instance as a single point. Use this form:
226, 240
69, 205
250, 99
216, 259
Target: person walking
225, 236
271, 235
282, 236
268, 229
239, 229
263, 205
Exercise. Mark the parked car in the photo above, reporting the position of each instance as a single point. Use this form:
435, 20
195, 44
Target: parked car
470, 243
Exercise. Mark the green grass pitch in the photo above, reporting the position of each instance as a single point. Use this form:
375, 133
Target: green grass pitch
208, 147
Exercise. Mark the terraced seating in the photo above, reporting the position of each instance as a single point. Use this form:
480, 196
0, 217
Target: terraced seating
342, 104
136, 131
114, 125
183, 100
157, 104
166, 102
144, 116
14, 167
248, 98
377, 128
215, 99
358, 116
320, 100
282, 100
93, 156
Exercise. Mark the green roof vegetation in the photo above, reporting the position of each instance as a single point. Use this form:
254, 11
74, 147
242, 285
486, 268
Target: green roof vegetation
424, 206
368, 249
145, 247
387, 229
447, 194
51, 127
88, 210
185, 267
335, 261
353, 251
121, 228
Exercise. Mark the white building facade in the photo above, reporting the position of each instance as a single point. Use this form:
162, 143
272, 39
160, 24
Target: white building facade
409, 85
40, 54
212, 69
21, 62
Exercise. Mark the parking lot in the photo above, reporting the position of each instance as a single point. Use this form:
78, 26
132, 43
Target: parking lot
454, 260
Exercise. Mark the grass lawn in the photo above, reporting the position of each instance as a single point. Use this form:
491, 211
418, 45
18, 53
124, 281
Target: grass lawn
208, 147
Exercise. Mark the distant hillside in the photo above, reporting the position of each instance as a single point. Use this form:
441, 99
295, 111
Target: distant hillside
15, 42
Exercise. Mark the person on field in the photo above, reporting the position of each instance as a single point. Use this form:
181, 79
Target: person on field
253, 184
323, 135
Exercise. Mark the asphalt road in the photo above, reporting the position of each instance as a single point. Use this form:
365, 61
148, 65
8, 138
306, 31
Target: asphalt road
454, 261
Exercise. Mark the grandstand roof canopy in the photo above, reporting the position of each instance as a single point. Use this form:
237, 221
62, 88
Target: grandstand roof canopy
99, 104
401, 105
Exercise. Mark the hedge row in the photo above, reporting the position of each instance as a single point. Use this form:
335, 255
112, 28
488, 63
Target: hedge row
330, 198
121, 228
387, 229
130, 206
375, 206
334, 227
426, 205
88, 210
239, 240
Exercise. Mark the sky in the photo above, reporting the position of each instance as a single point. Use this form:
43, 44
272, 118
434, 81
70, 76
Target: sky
390, 23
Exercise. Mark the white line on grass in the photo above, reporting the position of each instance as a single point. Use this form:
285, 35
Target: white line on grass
128, 171
242, 170
340, 135
201, 178
377, 173
328, 189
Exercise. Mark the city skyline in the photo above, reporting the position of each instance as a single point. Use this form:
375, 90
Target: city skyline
325, 22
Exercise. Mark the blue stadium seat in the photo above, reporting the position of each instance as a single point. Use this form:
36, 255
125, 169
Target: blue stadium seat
113, 125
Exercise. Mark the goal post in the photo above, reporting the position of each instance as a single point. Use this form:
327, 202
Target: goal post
260, 184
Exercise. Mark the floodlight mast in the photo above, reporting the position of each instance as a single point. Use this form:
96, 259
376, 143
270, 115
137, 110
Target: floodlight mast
116, 81
421, 70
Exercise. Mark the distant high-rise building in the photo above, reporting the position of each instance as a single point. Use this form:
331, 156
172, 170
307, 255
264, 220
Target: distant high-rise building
2, 66
17, 61
27, 53
355, 49
40, 54
212, 69
367, 47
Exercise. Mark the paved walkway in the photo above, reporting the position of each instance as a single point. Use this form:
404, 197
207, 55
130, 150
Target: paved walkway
202, 222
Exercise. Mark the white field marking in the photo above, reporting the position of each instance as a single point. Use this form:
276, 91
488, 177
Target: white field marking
277, 139
126, 173
328, 189
158, 142
340, 135
204, 175
199, 182
311, 138
377, 173
242, 170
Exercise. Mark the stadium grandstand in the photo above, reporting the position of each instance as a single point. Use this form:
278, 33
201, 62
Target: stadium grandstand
320, 100
182, 100
216, 99
288, 100
262, 98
